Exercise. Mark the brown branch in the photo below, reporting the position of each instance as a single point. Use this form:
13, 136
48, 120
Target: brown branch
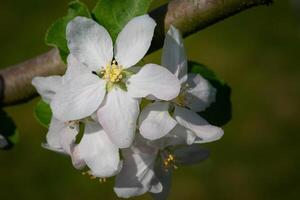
189, 16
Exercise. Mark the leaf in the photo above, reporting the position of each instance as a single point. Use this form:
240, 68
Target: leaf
115, 14
8, 131
220, 112
43, 113
56, 34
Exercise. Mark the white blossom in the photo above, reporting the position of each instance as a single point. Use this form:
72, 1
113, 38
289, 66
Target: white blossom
159, 118
148, 165
107, 83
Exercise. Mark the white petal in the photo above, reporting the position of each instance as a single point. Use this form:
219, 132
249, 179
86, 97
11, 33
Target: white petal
155, 121
198, 125
182, 135
137, 173
47, 86
173, 55
134, 40
62, 135
99, 153
79, 98
74, 69
89, 42
200, 93
154, 80
165, 178
188, 155
118, 116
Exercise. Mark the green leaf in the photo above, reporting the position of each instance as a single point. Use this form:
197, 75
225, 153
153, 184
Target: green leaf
115, 14
8, 131
56, 34
43, 113
219, 113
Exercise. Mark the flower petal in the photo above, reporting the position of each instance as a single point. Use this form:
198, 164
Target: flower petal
188, 155
134, 40
98, 152
155, 121
198, 125
62, 135
47, 86
74, 69
78, 98
200, 93
89, 42
154, 80
165, 178
137, 173
173, 55
118, 116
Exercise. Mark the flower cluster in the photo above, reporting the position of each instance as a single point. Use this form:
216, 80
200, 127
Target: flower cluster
138, 122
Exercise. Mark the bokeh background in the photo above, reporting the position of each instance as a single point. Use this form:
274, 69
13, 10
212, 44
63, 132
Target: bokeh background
257, 52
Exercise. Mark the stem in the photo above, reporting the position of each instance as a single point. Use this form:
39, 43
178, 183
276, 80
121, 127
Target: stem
189, 16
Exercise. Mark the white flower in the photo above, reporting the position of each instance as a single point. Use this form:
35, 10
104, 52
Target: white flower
196, 95
94, 150
148, 165
106, 83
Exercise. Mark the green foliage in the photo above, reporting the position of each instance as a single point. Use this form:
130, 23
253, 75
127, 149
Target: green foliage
115, 14
43, 113
219, 113
56, 34
8, 130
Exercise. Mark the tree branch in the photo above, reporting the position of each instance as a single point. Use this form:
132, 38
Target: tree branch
189, 16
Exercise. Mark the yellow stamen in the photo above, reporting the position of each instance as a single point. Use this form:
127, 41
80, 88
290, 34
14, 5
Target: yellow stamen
112, 72
169, 162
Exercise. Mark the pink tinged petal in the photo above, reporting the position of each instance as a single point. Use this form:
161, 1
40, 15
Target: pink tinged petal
200, 93
155, 121
198, 125
118, 115
47, 86
89, 42
154, 80
79, 98
74, 69
173, 54
136, 176
134, 40
98, 152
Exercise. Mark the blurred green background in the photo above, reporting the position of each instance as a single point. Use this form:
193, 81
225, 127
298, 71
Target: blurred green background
257, 52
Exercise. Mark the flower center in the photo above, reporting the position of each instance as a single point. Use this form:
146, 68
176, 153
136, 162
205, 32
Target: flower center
112, 72
169, 162
182, 99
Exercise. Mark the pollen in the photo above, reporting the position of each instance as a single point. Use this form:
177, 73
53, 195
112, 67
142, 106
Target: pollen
169, 162
112, 72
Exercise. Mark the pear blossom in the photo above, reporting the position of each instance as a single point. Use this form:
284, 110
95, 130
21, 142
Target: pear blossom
148, 165
159, 118
94, 150
107, 82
